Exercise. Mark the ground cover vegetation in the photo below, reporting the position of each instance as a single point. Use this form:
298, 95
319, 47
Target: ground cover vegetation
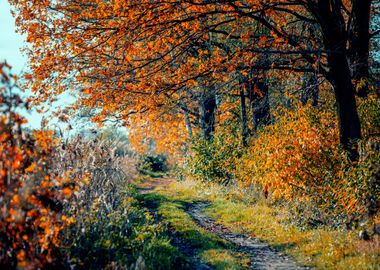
322, 247
272, 105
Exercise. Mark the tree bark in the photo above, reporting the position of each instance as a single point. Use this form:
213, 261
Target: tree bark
207, 107
244, 123
187, 118
334, 32
259, 99
358, 41
310, 89
349, 123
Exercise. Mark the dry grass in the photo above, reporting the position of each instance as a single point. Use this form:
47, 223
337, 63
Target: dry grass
98, 169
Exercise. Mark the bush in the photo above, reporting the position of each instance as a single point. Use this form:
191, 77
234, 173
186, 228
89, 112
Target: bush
296, 155
152, 163
125, 236
32, 191
299, 159
213, 160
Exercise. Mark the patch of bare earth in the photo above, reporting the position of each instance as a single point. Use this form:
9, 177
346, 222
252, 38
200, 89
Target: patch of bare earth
149, 186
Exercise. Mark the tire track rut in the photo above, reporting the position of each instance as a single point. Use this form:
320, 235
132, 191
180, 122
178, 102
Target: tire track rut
261, 255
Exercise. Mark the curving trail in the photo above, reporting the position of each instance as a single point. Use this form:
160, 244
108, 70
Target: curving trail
175, 239
261, 255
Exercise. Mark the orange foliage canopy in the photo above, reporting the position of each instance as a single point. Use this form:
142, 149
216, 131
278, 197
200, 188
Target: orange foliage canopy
128, 57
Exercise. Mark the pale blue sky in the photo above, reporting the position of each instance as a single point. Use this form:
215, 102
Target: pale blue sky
10, 41
10, 45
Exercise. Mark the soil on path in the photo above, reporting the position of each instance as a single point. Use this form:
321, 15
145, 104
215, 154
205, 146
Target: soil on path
149, 186
175, 239
260, 254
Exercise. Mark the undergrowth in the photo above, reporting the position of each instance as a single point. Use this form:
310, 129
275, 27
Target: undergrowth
297, 162
108, 228
128, 237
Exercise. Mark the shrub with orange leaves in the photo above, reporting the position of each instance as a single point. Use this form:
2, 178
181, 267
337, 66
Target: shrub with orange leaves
299, 159
31, 193
293, 155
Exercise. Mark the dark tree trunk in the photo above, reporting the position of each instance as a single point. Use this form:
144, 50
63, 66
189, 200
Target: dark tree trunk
358, 40
349, 123
334, 32
244, 124
207, 107
259, 99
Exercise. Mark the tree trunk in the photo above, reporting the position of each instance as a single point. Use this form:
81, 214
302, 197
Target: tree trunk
349, 123
333, 26
187, 118
207, 107
358, 40
259, 99
244, 124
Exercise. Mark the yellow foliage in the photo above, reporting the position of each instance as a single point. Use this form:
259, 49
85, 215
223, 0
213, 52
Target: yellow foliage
294, 155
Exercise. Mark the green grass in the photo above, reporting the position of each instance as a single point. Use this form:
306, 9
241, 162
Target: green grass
212, 250
322, 248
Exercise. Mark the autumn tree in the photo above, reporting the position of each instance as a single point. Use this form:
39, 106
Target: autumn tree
127, 57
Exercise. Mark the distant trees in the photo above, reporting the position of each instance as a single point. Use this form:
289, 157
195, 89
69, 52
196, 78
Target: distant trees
129, 57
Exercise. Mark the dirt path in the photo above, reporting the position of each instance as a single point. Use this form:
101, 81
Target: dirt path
260, 254
188, 251
149, 186
175, 239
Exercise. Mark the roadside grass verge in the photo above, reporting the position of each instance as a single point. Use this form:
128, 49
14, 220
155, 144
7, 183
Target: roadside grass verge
323, 248
121, 236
